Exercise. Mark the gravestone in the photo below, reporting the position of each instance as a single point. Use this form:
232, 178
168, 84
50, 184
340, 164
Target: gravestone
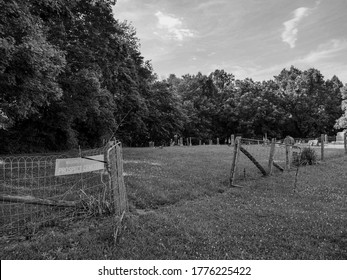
289, 140
313, 142
175, 139
340, 136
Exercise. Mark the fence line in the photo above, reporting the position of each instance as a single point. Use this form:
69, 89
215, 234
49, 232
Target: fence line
253, 158
31, 194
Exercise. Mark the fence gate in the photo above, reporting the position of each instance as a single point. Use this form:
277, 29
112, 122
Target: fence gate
36, 190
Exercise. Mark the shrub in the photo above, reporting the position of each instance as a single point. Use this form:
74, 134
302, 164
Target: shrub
308, 157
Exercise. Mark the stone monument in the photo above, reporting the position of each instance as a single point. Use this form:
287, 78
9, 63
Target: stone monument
340, 136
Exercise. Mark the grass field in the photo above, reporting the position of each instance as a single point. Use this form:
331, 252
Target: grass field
181, 207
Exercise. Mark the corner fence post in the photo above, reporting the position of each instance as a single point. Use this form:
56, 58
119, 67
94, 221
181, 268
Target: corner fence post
112, 167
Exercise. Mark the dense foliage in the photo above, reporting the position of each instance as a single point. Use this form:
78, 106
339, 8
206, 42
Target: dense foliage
72, 75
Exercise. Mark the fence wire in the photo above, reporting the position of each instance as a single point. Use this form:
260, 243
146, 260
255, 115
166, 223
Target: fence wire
254, 162
32, 178
259, 150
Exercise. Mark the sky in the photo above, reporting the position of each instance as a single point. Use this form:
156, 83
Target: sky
247, 38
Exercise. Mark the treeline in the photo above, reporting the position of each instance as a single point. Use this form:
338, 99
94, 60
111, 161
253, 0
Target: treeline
71, 75
297, 103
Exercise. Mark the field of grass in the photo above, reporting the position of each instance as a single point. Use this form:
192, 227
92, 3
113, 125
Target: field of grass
181, 207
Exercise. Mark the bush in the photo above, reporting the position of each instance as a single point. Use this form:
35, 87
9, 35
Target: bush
308, 157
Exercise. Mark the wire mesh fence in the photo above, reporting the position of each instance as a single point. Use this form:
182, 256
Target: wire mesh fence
32, 193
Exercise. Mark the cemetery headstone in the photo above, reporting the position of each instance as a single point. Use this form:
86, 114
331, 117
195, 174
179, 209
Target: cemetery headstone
340, 136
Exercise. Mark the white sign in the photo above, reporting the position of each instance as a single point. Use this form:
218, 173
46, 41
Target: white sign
68, 166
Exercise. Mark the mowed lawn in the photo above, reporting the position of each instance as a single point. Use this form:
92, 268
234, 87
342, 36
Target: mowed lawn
181, 207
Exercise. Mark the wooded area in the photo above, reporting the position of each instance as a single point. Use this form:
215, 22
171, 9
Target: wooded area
72, 75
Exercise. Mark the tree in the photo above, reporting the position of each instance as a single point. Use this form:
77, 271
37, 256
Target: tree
310, 103
72, 75
166, 116
30, 65
341, 122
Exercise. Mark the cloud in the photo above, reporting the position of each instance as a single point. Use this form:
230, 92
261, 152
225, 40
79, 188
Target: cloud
289, 35
173, 27
212, 3
327, 57
326, 50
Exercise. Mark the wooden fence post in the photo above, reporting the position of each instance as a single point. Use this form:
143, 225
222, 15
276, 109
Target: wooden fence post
272, 154
345, 142
288, 156
112, 164
235, 161
232, 140
322, 139
121, 185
